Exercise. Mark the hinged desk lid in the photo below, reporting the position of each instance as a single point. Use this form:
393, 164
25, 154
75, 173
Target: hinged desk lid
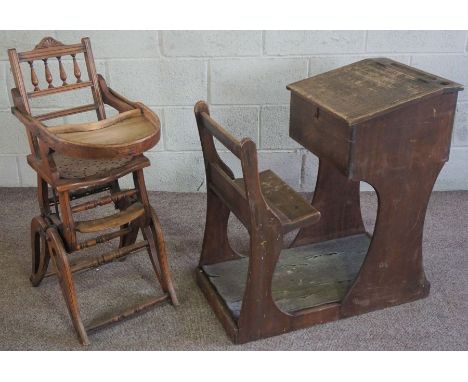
371, 87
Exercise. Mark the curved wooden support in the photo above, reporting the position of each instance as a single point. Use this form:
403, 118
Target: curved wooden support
40, 250
64, 275
158, 256
216, 247
337, 199
259, 313
392, 272
43, 195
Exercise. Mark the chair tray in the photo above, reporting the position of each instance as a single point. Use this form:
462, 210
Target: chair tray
128, 133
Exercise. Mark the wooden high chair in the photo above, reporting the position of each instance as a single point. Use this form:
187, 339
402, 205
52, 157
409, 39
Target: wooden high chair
73, 161
241, 290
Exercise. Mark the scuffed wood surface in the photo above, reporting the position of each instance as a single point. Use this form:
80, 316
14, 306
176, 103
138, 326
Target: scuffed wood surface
125, 131
123, 217
77, 127
290, 207
371, 87
304, 277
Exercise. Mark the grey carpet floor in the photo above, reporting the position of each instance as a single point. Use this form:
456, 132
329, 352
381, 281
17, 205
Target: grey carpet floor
37, 319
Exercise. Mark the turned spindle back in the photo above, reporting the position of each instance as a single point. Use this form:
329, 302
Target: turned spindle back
43, 54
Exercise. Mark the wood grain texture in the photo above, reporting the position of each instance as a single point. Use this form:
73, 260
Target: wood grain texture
368, 88
267, 207
290, 207
392, 129
83, 160
375, 121
304, 277
123, 217
121, 131
91, 126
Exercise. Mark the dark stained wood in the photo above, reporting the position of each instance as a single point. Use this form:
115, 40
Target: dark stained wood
90, 65
63, 88
389, 125
114, 99
221, 134
376, 121
78, 160
114, 198
50, 47
105, 258
124, 141
267, 207
304, 277
111, 221
369, 88
337, 199
48, 74
65, 112
131, 312
290, 207
63, 74
40, 252
103, 238
76, 69
34, 79
59, 256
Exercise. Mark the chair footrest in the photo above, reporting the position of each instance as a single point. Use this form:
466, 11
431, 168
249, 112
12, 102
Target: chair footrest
290, 207
123, 217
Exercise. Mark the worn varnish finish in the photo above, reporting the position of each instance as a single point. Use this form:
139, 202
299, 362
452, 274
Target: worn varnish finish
267, 207
304, 277
376, 121
391, 127
77, 160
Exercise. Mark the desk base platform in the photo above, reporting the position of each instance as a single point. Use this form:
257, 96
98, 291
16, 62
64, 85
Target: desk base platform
305, 278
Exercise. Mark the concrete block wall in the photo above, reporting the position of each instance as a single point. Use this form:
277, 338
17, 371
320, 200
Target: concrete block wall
243, 75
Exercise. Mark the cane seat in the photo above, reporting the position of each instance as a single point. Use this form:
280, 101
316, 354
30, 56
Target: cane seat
79, 168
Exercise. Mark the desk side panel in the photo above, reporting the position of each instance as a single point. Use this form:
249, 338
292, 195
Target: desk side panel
415, 136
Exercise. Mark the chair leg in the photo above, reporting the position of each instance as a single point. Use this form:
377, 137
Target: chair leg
69, 233
40, 250
43, 196
64, 274
129, 238
152, 231
157, 253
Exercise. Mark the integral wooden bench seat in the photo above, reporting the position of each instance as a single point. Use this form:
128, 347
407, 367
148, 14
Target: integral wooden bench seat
290, 207
74, 161
243, 291
376, 121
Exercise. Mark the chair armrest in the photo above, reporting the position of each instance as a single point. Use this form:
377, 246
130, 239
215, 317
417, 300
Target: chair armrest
122, 104
35, 127
112, 98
